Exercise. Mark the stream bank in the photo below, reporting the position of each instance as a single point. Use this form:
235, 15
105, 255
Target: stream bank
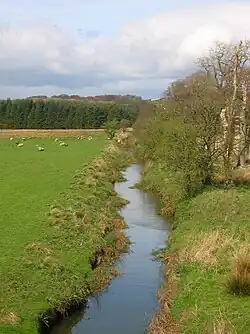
206, 285
129, 303
86, 218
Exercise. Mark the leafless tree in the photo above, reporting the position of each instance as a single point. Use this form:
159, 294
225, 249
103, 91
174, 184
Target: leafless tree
227, 66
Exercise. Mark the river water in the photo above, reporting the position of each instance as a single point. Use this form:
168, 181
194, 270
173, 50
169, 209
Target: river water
129, 303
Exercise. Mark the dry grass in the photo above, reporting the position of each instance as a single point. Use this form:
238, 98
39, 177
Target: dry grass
9, 318
205, 247
239, 279
163, 321
189, 314
220, 326
146, 166
240, 175
44, 133
38, 247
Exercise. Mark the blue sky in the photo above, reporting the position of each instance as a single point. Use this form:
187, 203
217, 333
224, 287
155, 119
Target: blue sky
103, 16
107, 46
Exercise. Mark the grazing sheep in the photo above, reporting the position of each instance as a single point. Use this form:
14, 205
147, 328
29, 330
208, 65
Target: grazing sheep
40, 148
63, 144
20, 145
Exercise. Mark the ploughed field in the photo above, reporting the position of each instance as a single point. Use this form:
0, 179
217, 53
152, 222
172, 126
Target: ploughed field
30, 182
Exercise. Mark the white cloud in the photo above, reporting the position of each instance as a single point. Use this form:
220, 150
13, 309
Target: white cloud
142, 57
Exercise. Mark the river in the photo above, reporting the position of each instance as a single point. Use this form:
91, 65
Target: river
129, 303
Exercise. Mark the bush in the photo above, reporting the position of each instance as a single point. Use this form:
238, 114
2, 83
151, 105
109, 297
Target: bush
174, 143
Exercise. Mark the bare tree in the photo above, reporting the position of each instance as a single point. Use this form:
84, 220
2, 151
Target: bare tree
227, 68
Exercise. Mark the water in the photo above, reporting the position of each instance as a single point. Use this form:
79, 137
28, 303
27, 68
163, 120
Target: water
129, 303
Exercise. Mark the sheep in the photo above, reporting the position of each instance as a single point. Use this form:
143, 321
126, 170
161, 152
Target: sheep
89, 138
63, 144
20, 145
40, 148
11, 138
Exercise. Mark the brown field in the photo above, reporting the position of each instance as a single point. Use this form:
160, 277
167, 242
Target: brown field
41, 133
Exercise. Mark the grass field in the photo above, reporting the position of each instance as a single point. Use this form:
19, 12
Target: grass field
213, 244
207, 288
40, 263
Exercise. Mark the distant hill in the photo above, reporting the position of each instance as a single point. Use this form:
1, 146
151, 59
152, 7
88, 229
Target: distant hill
109, 97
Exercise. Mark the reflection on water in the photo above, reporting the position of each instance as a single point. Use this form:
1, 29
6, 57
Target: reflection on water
127, 305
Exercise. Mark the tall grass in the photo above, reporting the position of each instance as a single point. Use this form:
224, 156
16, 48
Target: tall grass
239, 279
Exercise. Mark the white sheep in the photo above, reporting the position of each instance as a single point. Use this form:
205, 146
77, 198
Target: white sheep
11, 138
40, 148
20, 145
63, 144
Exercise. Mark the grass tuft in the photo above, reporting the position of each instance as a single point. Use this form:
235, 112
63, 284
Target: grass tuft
9, 318
239, 279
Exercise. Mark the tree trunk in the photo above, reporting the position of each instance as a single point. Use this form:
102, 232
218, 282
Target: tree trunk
230, 114
243, 126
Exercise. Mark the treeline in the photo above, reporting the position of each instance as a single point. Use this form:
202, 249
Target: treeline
200, 133
107, 97
63, 114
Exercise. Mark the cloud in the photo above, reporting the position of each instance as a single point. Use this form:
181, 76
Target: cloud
144, 56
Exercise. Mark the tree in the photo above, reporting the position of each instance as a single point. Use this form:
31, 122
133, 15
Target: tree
111, 127
124, 124
226, 66
199, 104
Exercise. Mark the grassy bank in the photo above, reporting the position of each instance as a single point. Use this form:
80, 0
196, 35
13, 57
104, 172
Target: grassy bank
55, 228
207, 284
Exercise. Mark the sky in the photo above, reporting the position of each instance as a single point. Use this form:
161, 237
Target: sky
92, 47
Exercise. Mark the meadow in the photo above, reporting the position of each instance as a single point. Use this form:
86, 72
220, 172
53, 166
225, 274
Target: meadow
44, 259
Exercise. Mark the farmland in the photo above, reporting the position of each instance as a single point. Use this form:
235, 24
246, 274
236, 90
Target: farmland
41, 261
52, 134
